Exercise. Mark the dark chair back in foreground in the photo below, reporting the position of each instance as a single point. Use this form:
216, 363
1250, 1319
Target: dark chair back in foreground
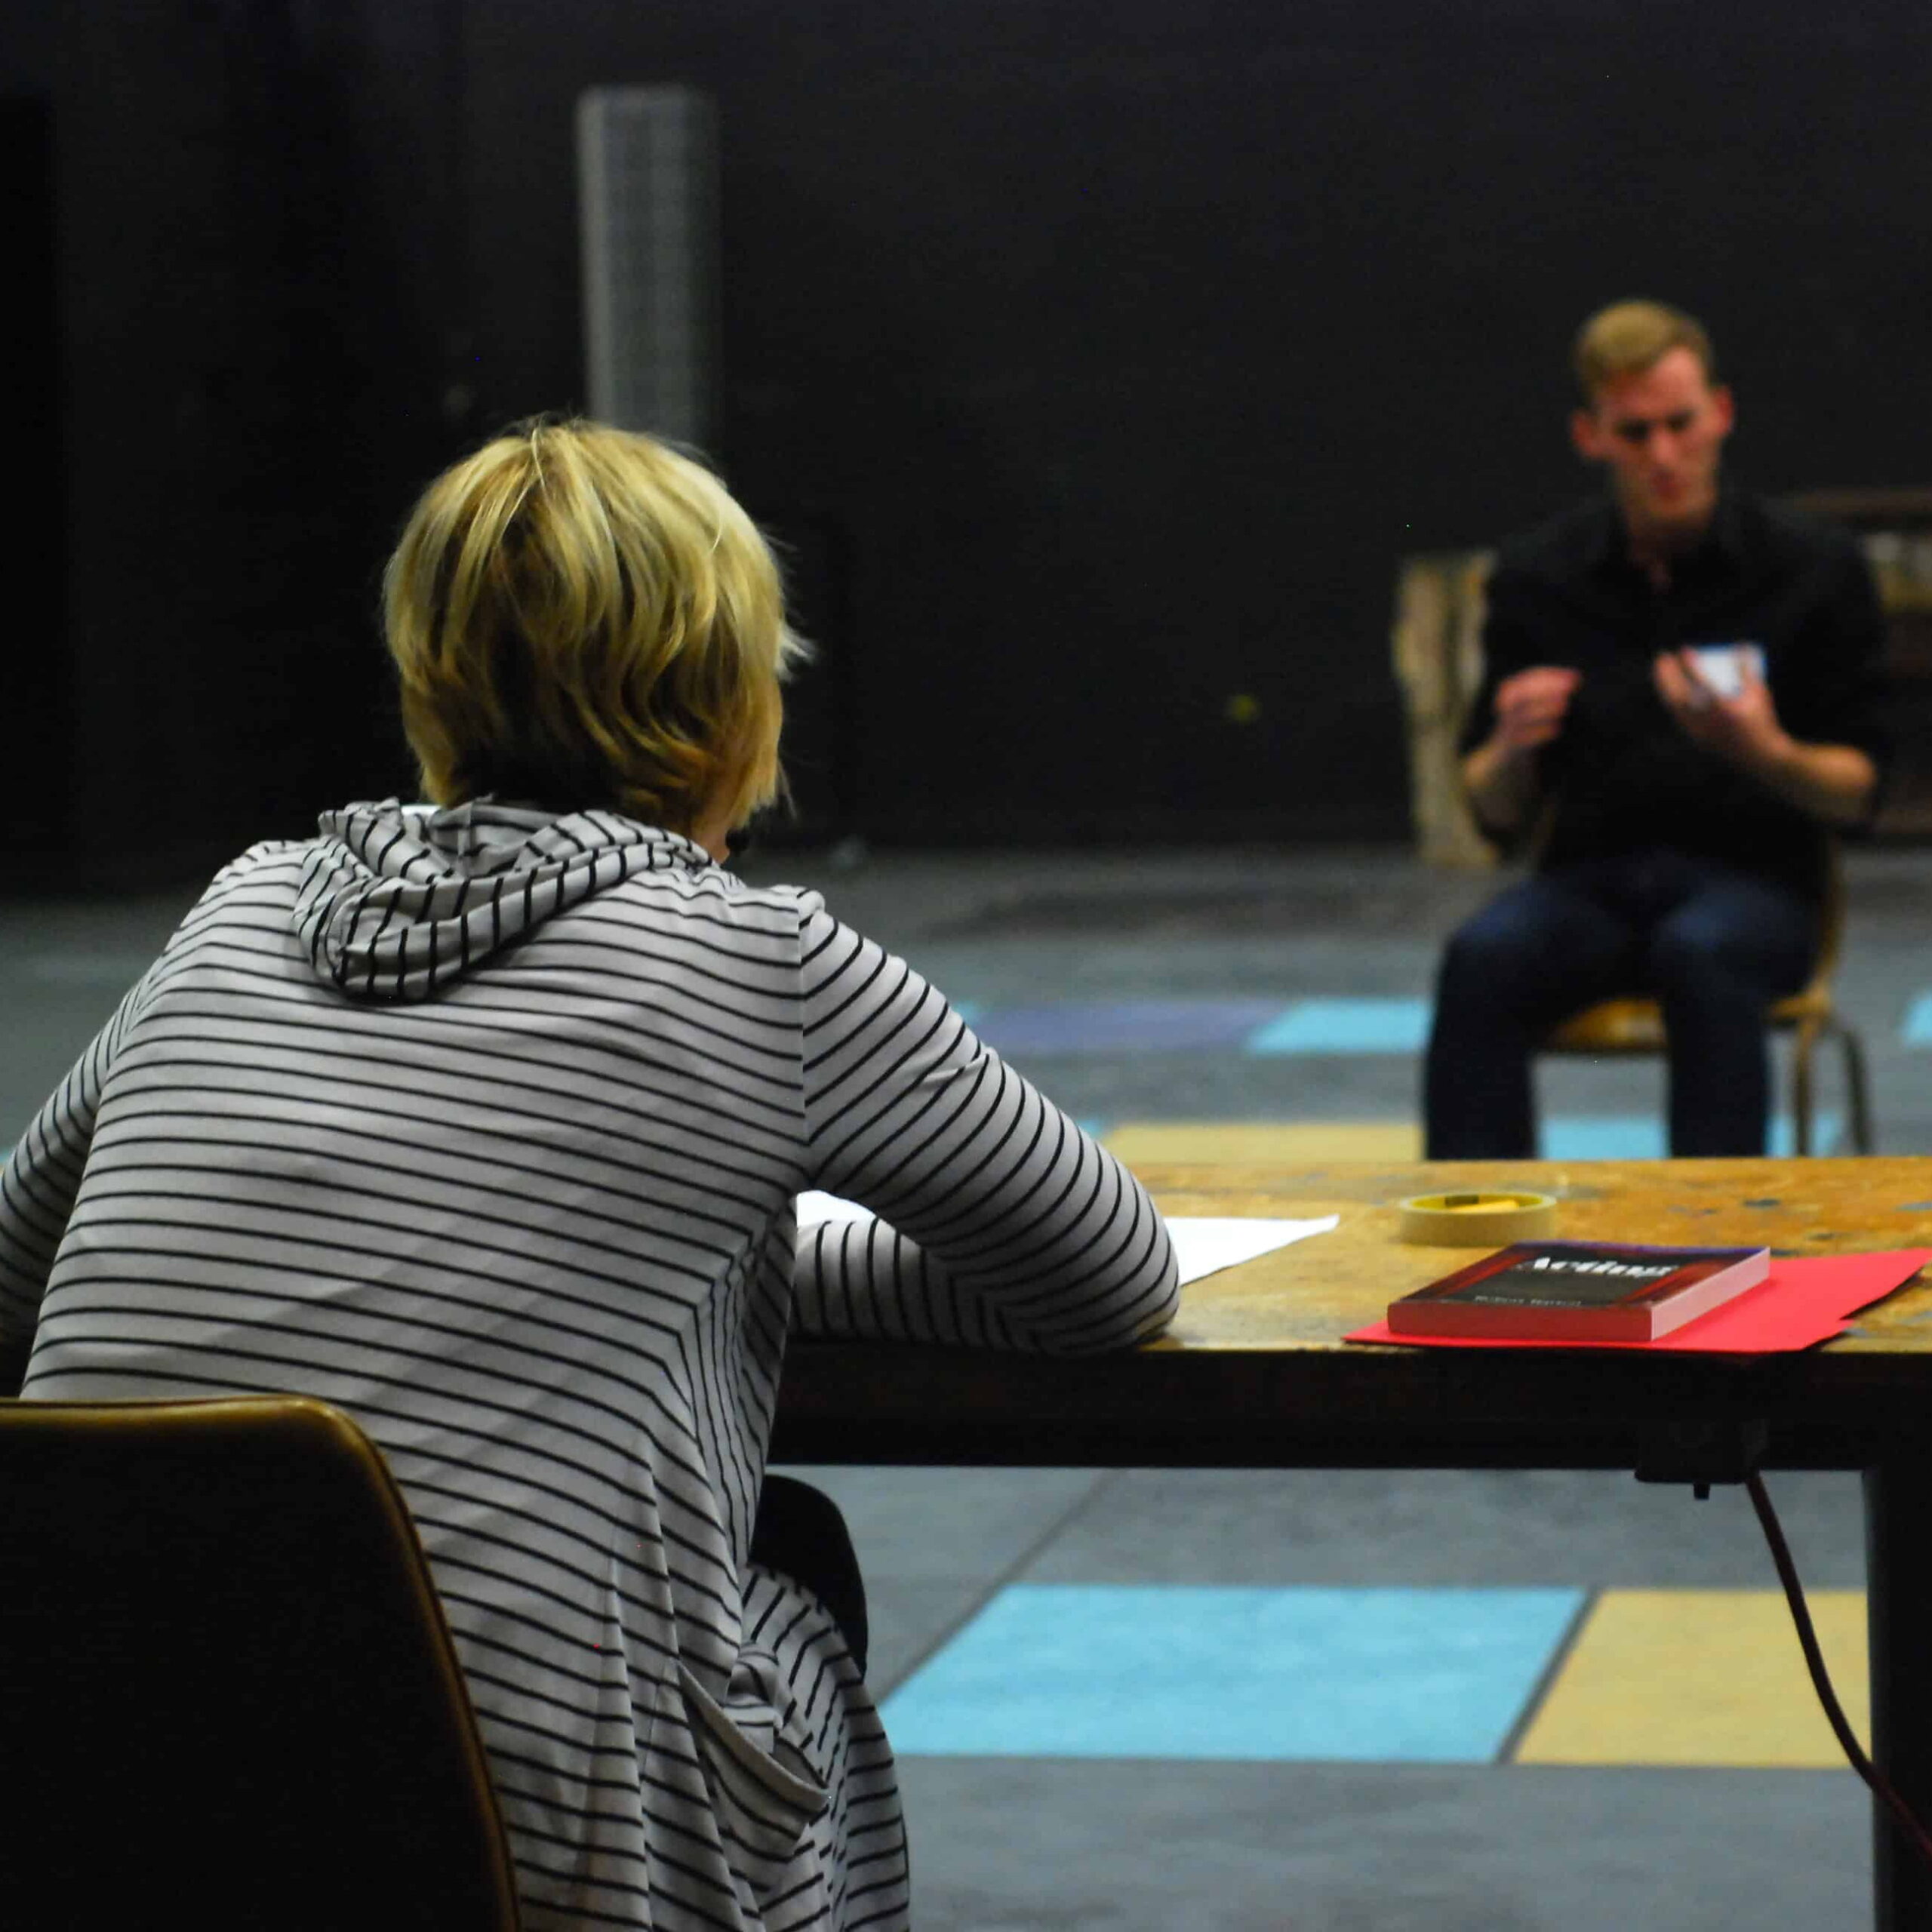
228, 1697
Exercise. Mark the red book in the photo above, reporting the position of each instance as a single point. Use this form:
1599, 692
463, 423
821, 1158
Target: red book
1580, 1291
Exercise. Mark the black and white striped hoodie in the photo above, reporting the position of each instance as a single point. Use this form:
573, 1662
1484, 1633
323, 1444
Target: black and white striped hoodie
486, 1123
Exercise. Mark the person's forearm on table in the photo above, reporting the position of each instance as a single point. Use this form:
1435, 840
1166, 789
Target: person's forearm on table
865, 1282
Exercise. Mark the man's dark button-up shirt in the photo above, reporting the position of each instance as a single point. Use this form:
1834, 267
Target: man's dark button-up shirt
1623, 775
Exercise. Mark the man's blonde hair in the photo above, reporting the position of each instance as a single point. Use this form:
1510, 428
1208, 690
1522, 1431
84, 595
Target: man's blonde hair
1628, 337
582, 616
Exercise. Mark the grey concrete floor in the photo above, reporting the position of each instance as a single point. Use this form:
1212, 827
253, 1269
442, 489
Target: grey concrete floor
1146, 1846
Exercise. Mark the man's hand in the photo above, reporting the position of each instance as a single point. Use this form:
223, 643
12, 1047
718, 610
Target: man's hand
1743, 731
1530, 707
1499, 775
1832, 782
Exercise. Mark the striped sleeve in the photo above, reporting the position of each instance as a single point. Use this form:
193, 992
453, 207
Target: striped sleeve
38, 1184
1004, 1225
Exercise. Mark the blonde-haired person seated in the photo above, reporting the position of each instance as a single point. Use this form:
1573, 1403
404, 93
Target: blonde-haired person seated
485, 1120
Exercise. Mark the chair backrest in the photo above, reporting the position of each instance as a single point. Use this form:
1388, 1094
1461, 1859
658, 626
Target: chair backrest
228, 1697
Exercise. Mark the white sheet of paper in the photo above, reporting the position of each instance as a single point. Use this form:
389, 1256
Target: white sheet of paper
815, 1207
1203, 1245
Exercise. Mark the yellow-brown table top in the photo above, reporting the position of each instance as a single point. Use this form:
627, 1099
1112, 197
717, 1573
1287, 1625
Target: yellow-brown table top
1255, 1373
1308, 1295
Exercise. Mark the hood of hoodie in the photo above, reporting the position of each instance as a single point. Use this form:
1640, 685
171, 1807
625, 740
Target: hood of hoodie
398, 900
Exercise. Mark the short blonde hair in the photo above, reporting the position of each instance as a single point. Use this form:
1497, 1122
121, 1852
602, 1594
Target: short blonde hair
582, 617
1628, 337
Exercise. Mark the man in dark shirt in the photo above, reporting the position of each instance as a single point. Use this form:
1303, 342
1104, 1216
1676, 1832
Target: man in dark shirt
1681, 700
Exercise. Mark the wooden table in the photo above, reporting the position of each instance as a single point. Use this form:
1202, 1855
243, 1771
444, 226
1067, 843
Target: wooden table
1254, 1375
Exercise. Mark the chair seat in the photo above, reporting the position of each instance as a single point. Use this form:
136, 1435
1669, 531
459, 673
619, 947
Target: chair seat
1629, 1024
1814, 1003
1611, 1026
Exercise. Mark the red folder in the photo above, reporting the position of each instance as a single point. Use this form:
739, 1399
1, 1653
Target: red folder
1806, 1299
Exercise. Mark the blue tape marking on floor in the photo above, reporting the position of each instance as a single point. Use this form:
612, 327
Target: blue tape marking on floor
1827, 1131
1345, 1026
1643, 1137
1433, 1676
1124, 1026
1603, 1138
1916, 1028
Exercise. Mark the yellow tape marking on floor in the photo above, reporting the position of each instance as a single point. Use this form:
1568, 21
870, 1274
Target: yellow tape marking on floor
1237, 1143
1711, 1677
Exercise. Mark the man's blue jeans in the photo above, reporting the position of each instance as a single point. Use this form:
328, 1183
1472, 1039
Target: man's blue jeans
1713, 946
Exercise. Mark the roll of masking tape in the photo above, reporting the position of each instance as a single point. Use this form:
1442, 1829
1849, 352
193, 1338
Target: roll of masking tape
1477, 1221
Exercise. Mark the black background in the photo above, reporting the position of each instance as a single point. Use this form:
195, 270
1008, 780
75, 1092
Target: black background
1097, 362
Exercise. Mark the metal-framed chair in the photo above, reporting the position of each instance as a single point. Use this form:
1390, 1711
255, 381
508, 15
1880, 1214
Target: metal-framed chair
1634, 1025
228, 1697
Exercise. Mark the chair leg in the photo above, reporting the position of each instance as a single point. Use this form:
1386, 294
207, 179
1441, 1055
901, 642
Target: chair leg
1801, 1085
1858, 1092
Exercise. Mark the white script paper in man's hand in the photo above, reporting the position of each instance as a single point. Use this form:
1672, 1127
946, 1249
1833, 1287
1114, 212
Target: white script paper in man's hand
1203, 1245
1725, 667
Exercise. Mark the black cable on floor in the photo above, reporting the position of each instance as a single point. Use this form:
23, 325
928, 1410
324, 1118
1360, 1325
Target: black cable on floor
1916, 1835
